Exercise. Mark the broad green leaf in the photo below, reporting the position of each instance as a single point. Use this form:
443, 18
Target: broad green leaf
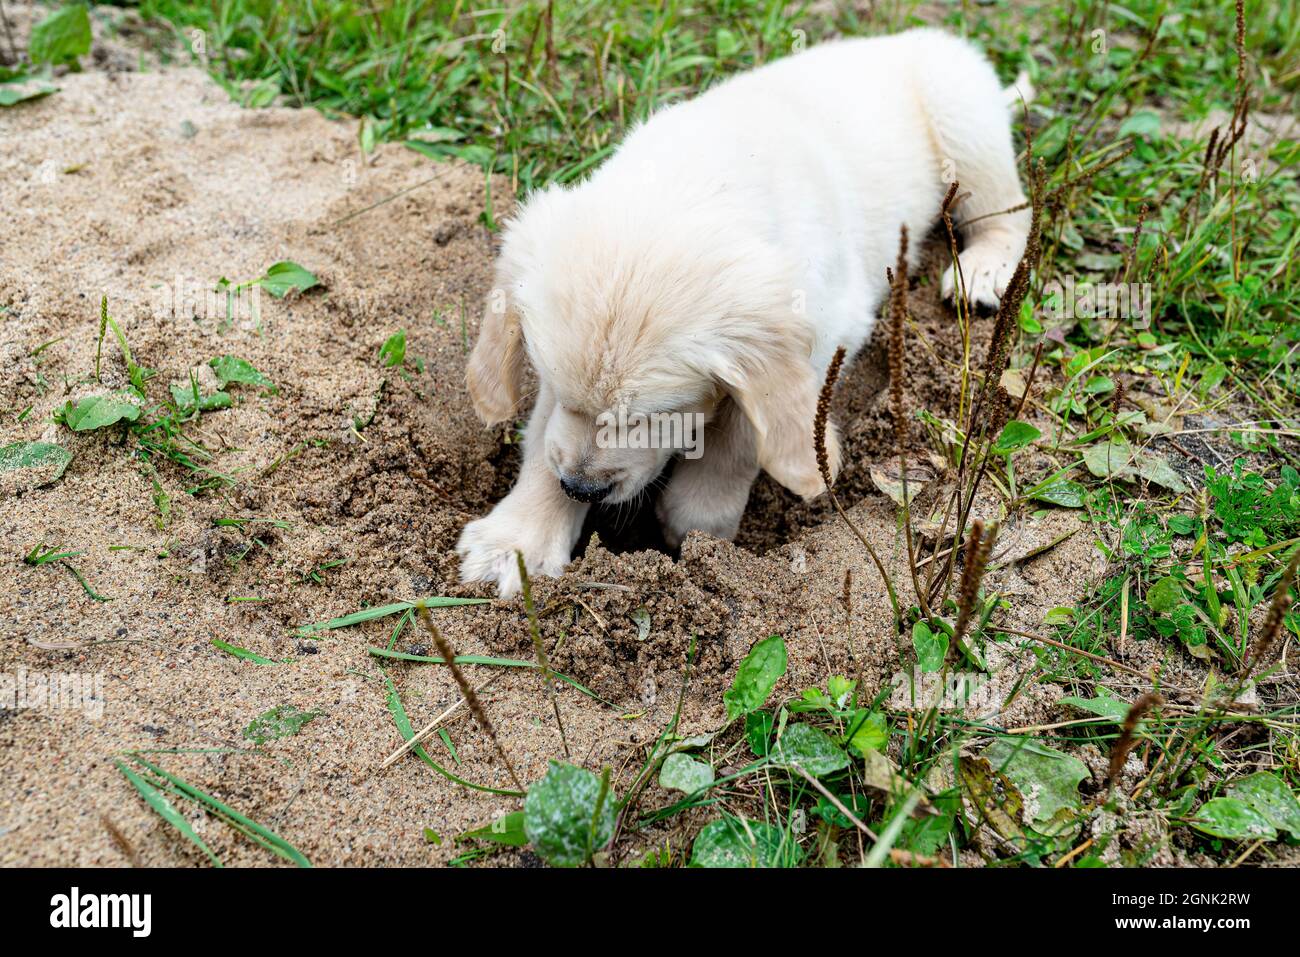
756, 677
284, 277
840, 689
809, 748
867, 731
234, 369
1064, 493
931, 647
1015, 436
758, 732
1269, 795
279, 722
732, 842
1143, 123
1233, 819
35, 464
1048, 780
508, 829
62, 36
1165, 595
566, 817
393, 351
98, 411
681, 772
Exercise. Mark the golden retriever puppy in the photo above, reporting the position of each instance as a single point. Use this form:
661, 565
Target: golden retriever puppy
687, 298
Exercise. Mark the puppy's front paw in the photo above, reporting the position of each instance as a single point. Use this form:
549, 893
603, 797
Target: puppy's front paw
986, 269
487, 549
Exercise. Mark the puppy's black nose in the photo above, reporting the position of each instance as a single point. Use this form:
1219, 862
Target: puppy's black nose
584, 490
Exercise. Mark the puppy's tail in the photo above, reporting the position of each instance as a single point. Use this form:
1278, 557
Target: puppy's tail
1022, 89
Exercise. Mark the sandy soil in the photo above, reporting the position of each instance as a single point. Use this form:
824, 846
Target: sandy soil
125, 184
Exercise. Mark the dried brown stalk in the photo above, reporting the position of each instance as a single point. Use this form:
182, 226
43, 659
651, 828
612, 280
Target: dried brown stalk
1119, 753
471, 698
535, 632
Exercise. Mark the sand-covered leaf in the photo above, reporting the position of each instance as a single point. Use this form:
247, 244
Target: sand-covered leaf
186, 401
641, 618
279, 722
732, 842
756, 677
99, 411
285, 277
234, 369
566, 816
21, 88
1109, 460
25, 465
1272, 798
1166, 594
1234, 819
811, 749
1047, 779
888, 477
1157, 470
681, 772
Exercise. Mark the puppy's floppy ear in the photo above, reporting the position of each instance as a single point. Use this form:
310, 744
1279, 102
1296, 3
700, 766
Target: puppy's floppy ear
496, 365
778, 392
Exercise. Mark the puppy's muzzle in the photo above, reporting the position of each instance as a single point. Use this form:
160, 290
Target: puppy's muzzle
584, 490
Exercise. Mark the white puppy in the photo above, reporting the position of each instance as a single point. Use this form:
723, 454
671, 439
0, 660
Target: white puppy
707, 272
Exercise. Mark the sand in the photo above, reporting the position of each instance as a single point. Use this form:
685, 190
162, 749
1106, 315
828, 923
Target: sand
130, 184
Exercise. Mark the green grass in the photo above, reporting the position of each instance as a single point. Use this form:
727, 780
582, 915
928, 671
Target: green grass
1194, 554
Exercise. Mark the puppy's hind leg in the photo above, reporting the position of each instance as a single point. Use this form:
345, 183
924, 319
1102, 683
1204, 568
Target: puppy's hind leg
709, 493
969, 116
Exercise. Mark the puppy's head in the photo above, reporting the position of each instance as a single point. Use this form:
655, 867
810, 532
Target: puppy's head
638, 329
